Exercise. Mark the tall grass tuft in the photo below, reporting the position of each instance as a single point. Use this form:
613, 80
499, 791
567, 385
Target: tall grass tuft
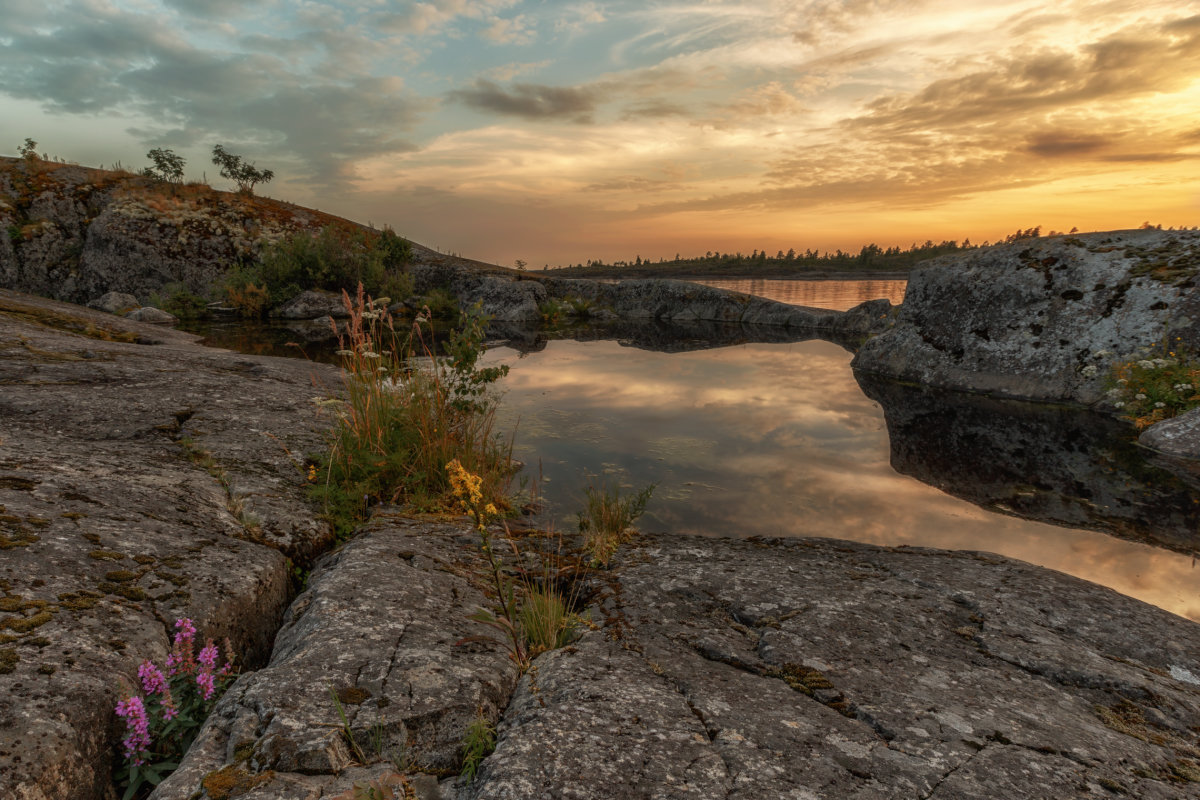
406, 414
607, 520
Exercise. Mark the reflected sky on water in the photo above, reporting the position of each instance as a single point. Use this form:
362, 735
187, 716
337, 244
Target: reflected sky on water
773, 440
835, 295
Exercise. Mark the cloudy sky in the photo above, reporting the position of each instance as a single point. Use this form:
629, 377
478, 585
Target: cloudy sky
555, 131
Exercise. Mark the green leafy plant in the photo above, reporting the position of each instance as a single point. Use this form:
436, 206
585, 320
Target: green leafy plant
478, 744
607, 520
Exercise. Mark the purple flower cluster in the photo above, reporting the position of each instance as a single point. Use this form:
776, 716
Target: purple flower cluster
184, 691
208, 663
181, 660
155, 683
137, 724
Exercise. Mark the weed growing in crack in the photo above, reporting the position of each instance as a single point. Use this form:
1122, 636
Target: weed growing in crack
533, 615
406, 414
478, 744
607, 521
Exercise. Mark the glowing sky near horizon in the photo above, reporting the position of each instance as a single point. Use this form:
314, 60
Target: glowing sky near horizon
557, 132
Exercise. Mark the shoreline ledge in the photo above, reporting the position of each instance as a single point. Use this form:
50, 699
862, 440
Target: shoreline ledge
144, 477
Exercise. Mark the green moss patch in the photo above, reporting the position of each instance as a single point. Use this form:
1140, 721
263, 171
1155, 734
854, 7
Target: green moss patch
353, 695
8, 660
26, 624
232, 781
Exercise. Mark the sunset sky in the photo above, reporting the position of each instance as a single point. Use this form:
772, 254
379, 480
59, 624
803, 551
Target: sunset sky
557, 132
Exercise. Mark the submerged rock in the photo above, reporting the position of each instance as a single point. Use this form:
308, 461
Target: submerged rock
152, 315
1048, 463
1042, 319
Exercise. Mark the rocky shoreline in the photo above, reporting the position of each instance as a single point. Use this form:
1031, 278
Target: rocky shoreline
144, 477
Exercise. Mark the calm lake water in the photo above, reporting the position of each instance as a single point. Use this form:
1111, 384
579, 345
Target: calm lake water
780, 439
836, 295
774, 440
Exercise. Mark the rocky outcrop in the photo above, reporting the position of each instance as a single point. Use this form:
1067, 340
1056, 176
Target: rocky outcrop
510, 298
74, 233
724, 668
142, 478
1042, 319
818, 668
1179, 436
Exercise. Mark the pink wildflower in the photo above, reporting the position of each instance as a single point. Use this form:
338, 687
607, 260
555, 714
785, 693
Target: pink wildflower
181, 658
153, 681
208, 656
208, 662
137, 743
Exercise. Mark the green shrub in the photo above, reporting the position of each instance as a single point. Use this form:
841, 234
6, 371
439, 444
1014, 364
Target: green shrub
441, 304
336, 260
177, 299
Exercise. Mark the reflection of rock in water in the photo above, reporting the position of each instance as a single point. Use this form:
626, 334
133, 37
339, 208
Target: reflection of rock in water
660, 336
1046, 463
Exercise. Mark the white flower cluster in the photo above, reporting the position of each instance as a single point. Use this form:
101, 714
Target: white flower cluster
1139, 396
1160, 405
1182, 387
1089, 371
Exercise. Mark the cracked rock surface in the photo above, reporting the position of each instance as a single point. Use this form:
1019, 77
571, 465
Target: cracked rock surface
825, 669
111, 527
384, 626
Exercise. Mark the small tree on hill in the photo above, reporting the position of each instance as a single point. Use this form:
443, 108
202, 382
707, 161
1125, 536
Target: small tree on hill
28, 150
244, 174
168, 166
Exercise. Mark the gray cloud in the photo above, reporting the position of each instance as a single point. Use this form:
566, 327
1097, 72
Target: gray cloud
266, 104
1059, 144
656, 108
212, 9
530, 101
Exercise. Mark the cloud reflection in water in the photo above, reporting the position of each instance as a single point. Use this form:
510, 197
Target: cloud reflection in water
774, 440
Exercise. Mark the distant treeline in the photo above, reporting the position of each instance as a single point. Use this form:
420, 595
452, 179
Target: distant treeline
871, 258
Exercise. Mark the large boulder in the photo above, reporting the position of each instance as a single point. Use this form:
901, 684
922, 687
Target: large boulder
119, 303
313, 304
1042, 319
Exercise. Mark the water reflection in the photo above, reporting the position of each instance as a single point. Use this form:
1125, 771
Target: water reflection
831, 294
1039, 462
777, 439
